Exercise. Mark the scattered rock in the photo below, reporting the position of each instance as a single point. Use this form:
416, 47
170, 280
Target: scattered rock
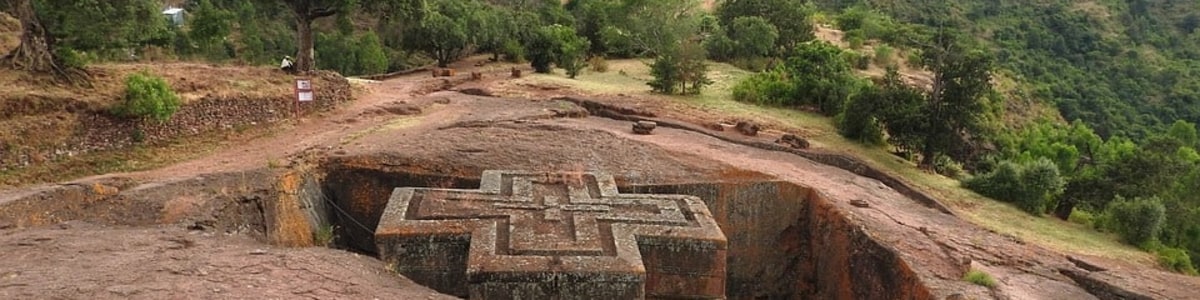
442, 101
477, 92
715, 126
956, 296
644, 127
516, 73
793, 141
402, 109
860, 203
476, 76
747, 128
340, 152
6, 225
258, 252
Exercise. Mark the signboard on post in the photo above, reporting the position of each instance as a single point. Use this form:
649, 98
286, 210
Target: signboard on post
304, 93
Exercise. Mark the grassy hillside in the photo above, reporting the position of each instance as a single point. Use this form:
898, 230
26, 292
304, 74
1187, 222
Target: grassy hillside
1124, 67
630, 76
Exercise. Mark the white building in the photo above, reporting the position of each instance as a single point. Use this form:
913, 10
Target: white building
174, 15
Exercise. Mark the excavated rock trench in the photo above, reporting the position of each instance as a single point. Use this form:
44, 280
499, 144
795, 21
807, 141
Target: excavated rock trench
785, 241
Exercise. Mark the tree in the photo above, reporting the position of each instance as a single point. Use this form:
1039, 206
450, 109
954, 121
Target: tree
821, 75
36, 52
661, 26
755, 36
558, 44
307, 11
790, 18
955, 104
440, 36
572, 53
53, 27
681, 70
209, 26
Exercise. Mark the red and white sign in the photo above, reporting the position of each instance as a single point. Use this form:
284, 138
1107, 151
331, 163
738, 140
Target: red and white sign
304, 90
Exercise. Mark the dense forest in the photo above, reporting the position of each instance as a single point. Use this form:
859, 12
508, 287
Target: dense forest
1121, 156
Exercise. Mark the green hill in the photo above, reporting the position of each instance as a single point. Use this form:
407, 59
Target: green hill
1126, 68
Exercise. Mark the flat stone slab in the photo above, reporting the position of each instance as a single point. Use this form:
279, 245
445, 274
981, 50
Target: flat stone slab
567, 235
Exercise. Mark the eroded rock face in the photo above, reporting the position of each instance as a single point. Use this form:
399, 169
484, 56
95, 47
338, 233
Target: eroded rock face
788, 242
556, 235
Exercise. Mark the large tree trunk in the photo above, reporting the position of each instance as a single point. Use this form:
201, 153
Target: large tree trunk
35, 53
1063, 210
304, 55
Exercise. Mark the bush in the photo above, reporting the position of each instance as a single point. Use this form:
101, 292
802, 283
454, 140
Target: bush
71, 58
914, 59
1040, 182
858, 121
148, 96
753, 64
946, 166
883, 54
1005, 179
1137, 221
1176, 260
598, 64
372, 57
1082, 217
856, 41
513, 51
720, 47
1029, 186
980, 278
767, 88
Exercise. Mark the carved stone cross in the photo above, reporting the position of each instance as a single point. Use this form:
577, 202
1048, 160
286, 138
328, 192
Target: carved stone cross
553, 235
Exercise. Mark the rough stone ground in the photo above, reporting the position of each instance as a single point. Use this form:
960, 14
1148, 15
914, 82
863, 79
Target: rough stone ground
400, 124
85, 261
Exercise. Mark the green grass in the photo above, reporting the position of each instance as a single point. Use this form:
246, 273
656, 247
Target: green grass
980, 278
994, 215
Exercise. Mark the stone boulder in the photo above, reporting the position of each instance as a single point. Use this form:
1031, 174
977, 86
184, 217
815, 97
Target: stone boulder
644, 127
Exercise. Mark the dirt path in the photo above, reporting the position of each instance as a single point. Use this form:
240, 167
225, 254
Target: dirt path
321, 130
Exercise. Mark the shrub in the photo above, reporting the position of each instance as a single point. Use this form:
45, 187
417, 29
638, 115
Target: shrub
914, 59
147, 96
1040, 182
720, 47
858, 121
883, 54
980, 278
1001, 182
1029, 186
856, 41
1082, 217
513, 51
71, 58
325, 235
754, 64
946, 166
767, 88
1137, 221
598, 64
372, 57
1176, 260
